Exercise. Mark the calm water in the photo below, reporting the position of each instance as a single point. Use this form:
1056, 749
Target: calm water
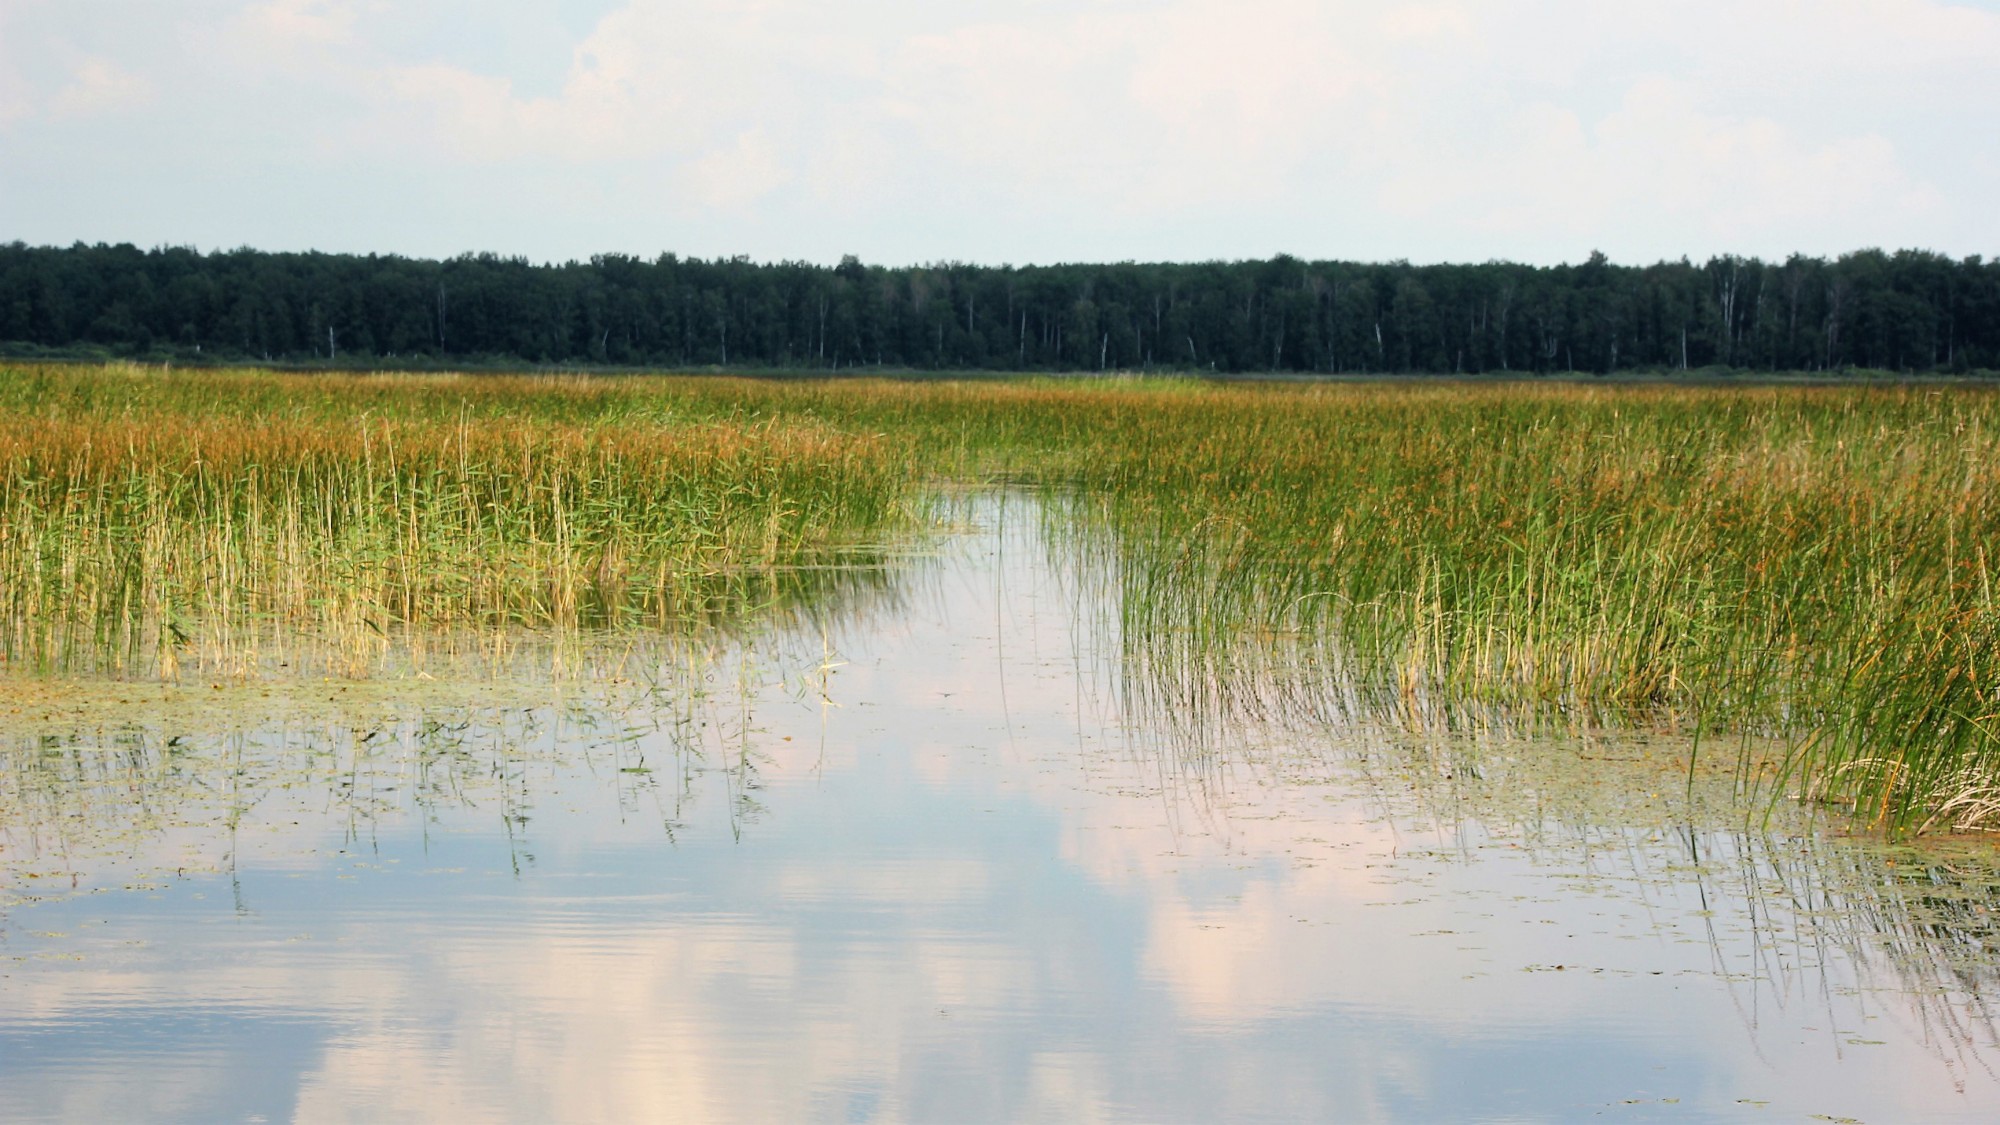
934, 853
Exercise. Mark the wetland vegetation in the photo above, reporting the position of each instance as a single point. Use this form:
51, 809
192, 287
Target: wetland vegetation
736, 749
1810, 566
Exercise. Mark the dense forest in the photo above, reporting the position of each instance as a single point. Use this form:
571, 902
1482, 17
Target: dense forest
1907, 311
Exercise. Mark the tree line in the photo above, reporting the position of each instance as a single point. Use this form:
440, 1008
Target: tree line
1907, 311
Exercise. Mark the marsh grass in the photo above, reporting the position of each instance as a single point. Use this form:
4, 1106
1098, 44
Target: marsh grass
1811, 564
143, 518
1806, 563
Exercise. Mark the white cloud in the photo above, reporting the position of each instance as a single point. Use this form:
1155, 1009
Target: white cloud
1658, 159
1427, 21
1075, 128
1242, 81
310, 22
99, 86
15, 102
733, 178
653, 78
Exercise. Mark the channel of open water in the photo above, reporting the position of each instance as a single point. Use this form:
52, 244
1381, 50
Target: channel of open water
929, 852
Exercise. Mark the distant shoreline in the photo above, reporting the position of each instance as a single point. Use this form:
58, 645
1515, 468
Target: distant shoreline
1901, 313
11, 355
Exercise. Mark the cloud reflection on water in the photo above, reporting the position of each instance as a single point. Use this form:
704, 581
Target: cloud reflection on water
967, 883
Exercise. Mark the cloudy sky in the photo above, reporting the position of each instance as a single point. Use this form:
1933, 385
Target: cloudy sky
1020, 131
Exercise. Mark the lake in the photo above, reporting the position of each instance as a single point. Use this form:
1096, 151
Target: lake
940, 845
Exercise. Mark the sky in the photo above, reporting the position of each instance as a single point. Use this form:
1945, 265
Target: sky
1029, 131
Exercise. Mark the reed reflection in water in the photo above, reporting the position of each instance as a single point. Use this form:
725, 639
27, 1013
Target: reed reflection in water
941, 848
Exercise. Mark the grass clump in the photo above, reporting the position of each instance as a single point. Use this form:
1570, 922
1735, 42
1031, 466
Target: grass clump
142, 517
1815, 563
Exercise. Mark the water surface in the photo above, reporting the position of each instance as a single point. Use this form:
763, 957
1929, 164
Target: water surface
937, 849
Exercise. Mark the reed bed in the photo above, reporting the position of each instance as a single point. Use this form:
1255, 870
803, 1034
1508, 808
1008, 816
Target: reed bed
1814, 564
142, 518
1809, 563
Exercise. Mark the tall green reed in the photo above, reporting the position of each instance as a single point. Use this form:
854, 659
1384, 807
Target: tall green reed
142, 516
1813, 564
